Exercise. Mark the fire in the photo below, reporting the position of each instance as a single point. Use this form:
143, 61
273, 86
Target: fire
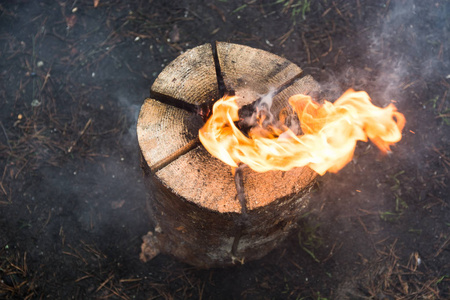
329, 133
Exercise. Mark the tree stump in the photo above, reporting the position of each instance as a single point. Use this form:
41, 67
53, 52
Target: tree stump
196, 207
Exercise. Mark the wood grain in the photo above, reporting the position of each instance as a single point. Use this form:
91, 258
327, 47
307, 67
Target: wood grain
202, 179
251, 72
190, 78
163, 129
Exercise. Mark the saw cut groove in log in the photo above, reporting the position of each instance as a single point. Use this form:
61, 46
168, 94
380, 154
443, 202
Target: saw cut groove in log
163, 130
198, 213
174, 102
175, 155
220, 81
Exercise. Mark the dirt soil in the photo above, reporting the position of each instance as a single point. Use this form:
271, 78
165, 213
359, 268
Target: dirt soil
72, 198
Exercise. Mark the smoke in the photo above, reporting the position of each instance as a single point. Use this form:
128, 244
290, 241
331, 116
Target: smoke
396, 58
259, 118
406, 61
250, 115
404, 58
409, 48
263, 108
131, 112
266, 100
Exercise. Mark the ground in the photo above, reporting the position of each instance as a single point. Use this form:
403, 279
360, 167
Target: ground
72, 198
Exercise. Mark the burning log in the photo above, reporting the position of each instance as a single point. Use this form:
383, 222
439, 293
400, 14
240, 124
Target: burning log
206, 213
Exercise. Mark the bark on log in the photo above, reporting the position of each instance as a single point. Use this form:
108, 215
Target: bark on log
197, 203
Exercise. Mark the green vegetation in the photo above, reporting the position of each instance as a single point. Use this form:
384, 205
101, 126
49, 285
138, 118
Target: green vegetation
400, 204
445, 116
437, 107
300, 8
239, 8
441, 279
388, 216
309, 240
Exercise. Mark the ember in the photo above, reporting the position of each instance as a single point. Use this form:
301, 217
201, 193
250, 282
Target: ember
329, 133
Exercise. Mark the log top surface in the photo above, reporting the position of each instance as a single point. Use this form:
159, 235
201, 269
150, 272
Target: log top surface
168, 124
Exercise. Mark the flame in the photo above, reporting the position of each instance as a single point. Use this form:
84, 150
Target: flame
329, 134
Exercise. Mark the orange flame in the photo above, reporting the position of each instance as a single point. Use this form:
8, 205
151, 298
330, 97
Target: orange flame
330, 132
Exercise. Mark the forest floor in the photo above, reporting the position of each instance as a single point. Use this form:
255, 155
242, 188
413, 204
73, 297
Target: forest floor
72, 199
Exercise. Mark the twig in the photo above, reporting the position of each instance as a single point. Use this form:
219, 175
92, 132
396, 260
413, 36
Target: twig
21, 169
331, 45
47, 76
84, 277
285, 36
337, 9
332, 251
295, 264
306, 47
48, 219
3, 188
130, 280
441, 105
6, 136
442, 247
81, 134
104, 282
